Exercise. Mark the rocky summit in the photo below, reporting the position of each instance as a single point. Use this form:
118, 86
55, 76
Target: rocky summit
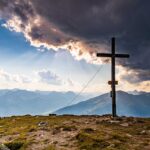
69, 132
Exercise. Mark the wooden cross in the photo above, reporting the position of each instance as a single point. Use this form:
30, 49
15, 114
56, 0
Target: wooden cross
113, 82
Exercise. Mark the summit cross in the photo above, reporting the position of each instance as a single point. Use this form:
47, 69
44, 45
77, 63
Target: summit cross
113, 81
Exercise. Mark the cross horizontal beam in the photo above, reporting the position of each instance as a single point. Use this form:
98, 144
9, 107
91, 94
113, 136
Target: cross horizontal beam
103, 55
122, 55
110, 55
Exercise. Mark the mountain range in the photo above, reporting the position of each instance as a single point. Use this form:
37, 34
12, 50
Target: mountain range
21, 102
137, 105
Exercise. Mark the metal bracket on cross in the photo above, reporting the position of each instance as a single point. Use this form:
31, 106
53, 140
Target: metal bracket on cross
110, 82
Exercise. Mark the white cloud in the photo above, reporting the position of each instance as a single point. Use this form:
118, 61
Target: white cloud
70, 82
42, 80
14, 77
49, 77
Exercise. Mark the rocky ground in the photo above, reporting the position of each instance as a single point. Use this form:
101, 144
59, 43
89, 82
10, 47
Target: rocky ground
74, 133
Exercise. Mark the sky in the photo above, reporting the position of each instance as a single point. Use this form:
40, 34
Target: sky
51, 45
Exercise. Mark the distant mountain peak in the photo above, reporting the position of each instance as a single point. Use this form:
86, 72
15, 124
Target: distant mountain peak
127, 105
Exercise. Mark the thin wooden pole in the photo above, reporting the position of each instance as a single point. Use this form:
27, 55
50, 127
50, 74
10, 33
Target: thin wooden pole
113, 78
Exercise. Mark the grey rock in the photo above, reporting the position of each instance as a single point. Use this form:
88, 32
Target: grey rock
42, 124
124, 124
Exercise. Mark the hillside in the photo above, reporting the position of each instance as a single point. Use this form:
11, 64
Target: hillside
74, 133
127, 105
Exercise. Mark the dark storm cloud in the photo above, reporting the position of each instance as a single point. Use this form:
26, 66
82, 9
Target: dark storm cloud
35, 33
23, 10
92, 22
133, 76
98, 20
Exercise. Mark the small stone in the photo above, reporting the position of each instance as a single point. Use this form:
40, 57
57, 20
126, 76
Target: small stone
41, 135
88, 130
52, 114
124, 124
143, 132
114, 121
128, 135
119, 118
9, 138
98, 122
55, 142
86, 122
140, 121
111, 146
135, 120
56, 131
42, 124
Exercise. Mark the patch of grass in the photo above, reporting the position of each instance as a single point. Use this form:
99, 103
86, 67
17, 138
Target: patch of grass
58, 129
89, 142
32, 129
88, 130
148, 127
69, 128
20, 143
50, 147
3, 147
118, 137
14, 145
24, 124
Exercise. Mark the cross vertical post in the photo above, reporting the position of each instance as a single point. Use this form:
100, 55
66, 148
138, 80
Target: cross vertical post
113, 81
113, 78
